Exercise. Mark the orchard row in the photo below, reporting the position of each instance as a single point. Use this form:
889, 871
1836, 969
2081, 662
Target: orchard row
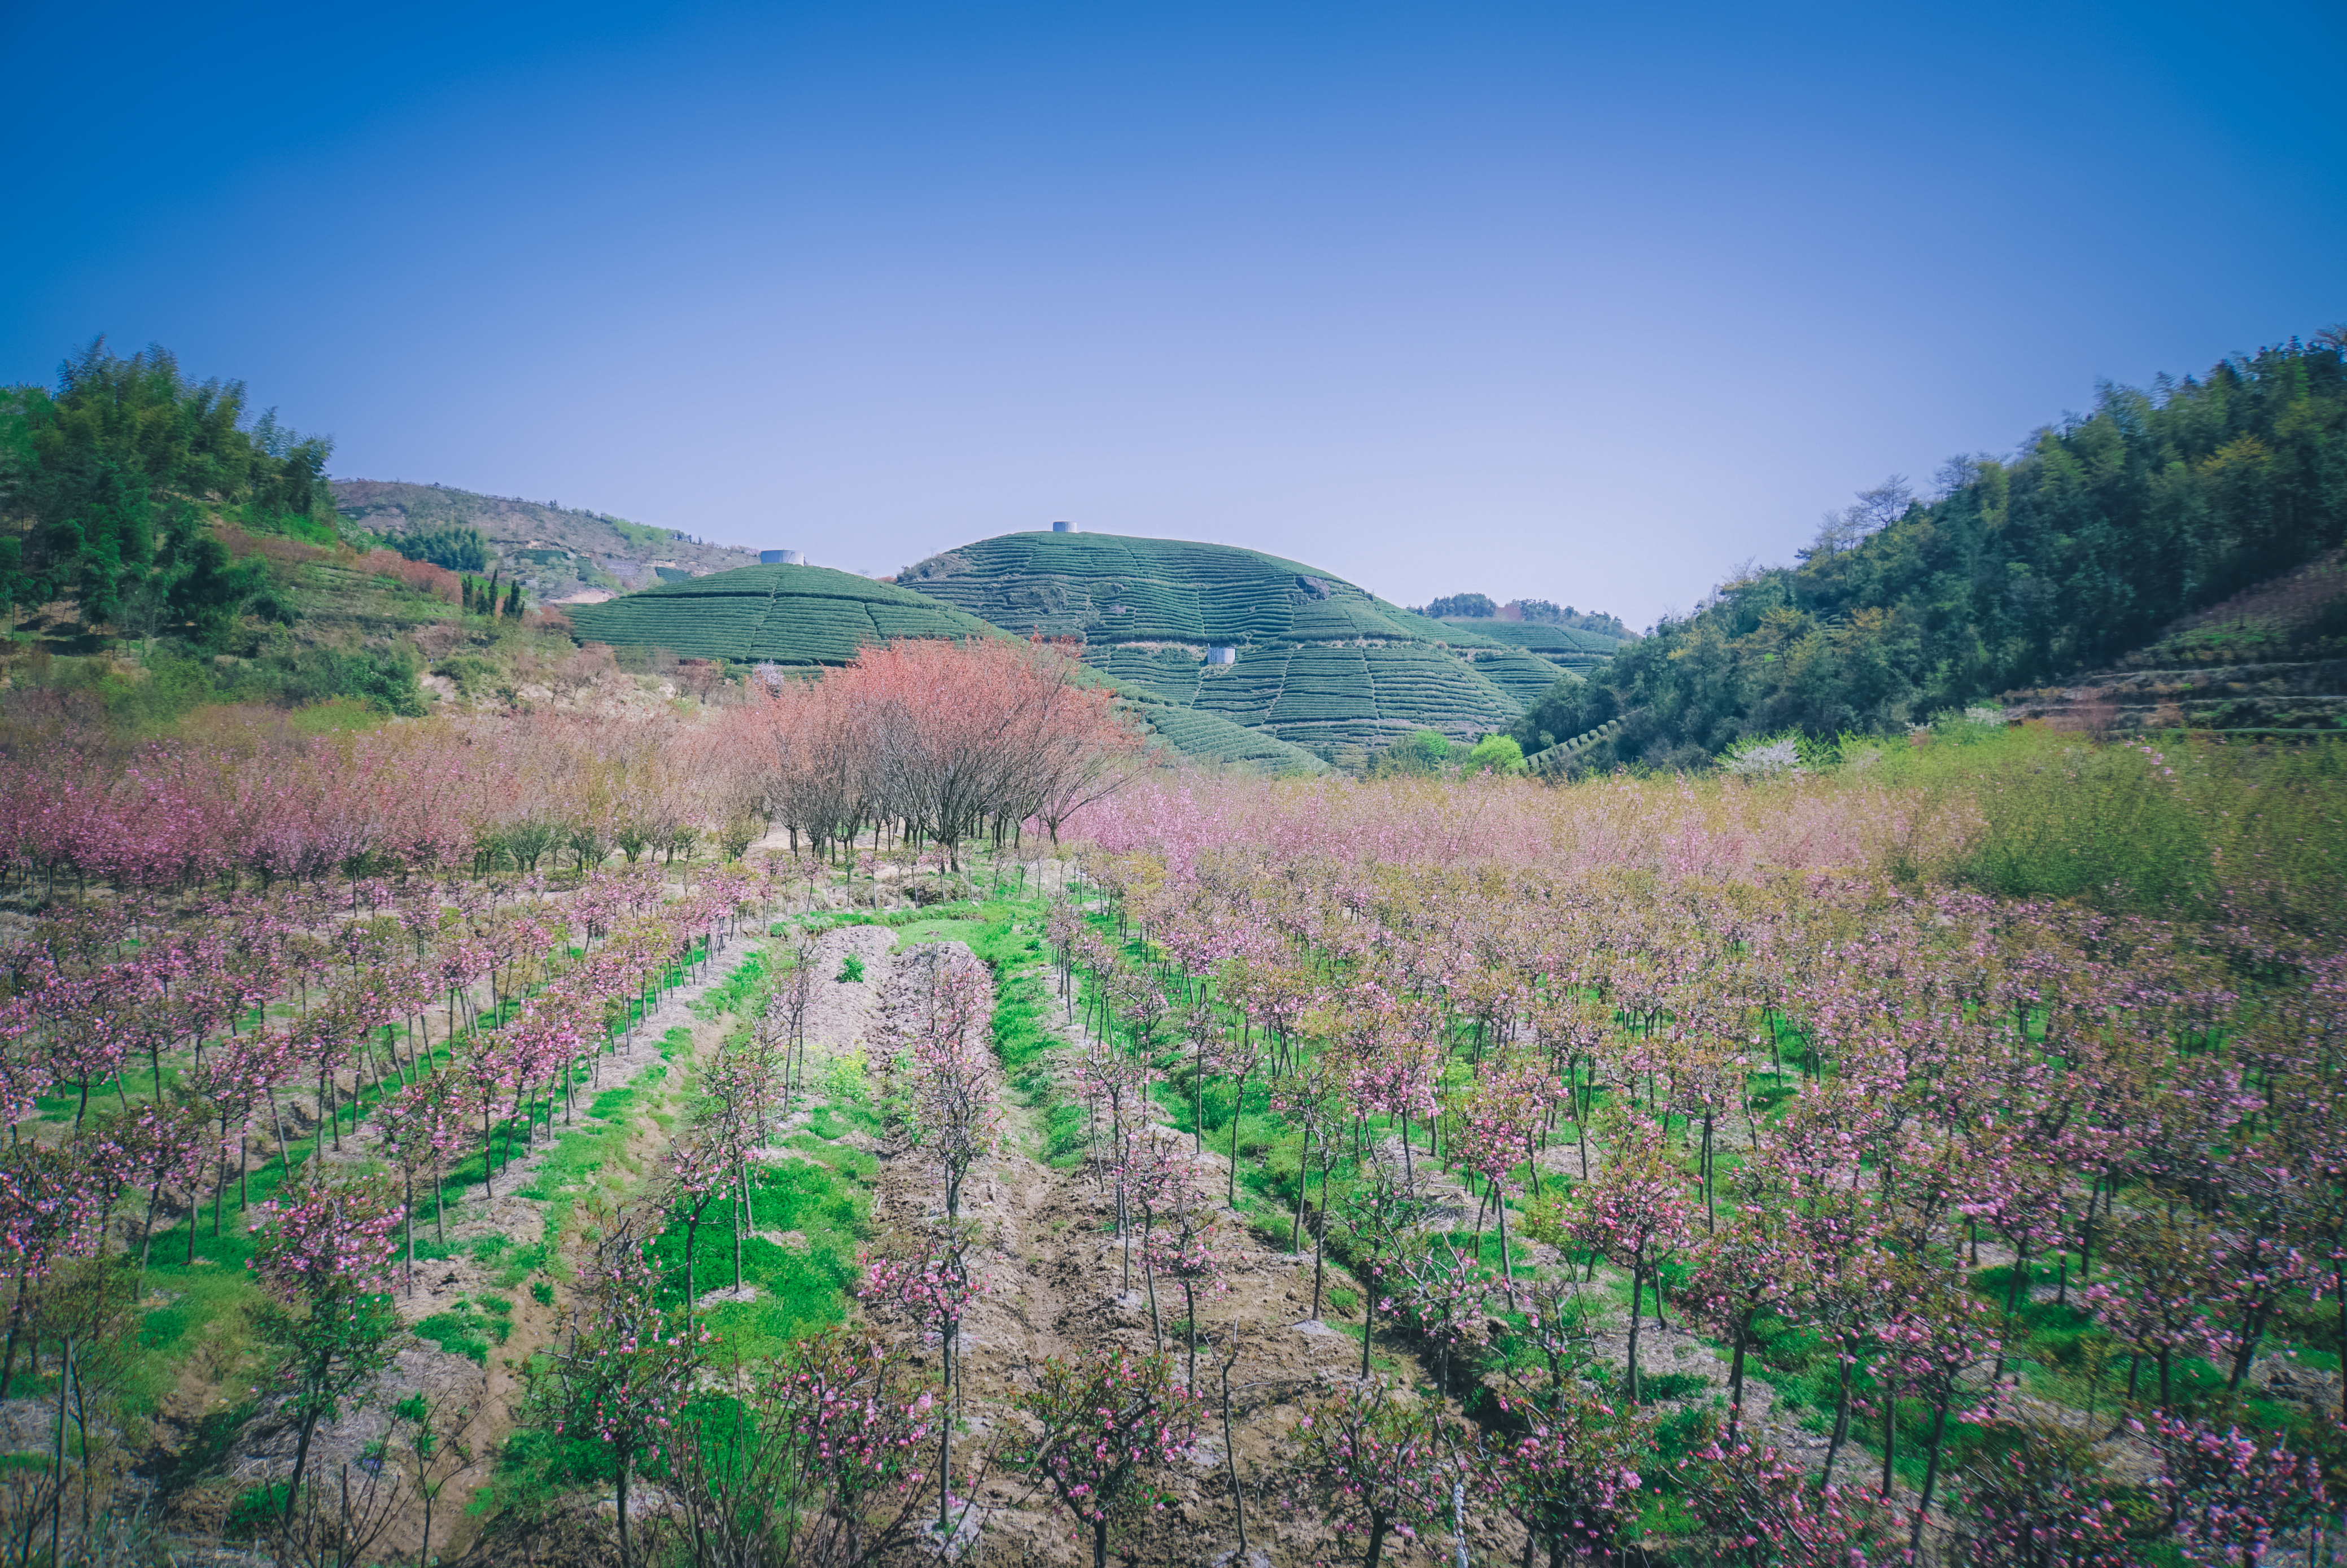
2040, 1214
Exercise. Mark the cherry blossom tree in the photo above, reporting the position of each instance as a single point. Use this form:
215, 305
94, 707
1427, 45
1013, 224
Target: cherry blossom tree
624, 1364
2229, 1496
1761, 1509
321, 1261
826, 1464
2169, 1273
1383, 1460
1110, 1422
931, 1288
1572, 1480
1939, 1333
1633, 1213
1741, 1273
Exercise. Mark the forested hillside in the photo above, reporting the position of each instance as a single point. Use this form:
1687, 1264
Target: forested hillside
108, 486
164, 552
1522, 612
2104, 530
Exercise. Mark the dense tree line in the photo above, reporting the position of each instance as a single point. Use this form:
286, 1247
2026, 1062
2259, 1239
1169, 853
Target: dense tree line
950, 743
1538, 611
2100, 532
450, 545
106, 486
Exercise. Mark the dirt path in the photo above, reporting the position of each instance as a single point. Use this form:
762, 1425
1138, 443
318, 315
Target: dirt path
1055, 1287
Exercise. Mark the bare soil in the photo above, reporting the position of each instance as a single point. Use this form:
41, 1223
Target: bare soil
1056, 1286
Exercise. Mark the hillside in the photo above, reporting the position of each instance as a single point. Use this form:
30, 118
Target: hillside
2106, 533
2272, 660
1317, 660
807, 616
558, 553
1568, 647
777, 614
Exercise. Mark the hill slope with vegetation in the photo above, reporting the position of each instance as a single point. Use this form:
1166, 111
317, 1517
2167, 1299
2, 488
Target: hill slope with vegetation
1318, 661
2104, 530
164, 550
773, 614
556, 552
110, 486
805, 617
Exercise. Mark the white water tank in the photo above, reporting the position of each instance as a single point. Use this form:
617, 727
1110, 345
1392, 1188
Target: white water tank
1221, 655
781, 557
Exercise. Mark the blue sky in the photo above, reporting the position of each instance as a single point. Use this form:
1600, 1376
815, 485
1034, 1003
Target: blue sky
1588, 303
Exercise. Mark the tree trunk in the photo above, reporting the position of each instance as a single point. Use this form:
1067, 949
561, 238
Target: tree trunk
1238, 1097
1841, 1421
945, 1443
301, 1457
624, 1558
1637, 1284
1303, 1182
1735, 1378
1931, 1474
1889, 1438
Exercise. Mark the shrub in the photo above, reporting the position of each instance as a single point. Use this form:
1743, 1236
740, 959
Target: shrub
420, 575
1419, 751
1496, 754
383, 679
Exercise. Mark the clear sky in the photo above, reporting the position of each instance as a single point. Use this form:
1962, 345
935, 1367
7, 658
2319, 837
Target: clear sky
1585, 303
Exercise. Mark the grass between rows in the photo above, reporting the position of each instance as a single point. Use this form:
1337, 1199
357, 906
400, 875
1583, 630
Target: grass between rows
2063, 1356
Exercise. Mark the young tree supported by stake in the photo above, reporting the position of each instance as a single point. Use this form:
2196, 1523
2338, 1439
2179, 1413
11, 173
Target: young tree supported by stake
1571, 1479
823, 1463
932, 1288
1633, 1214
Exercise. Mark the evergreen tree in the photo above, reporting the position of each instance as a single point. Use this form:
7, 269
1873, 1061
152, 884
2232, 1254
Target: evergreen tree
105, 484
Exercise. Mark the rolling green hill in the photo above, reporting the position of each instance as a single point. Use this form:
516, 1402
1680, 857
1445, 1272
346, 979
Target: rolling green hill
1112, 588
782, 614
809, 615
1319, 661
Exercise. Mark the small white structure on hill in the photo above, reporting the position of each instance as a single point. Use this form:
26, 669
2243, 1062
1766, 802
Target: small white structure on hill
1064, 527
1221, 655
781, 557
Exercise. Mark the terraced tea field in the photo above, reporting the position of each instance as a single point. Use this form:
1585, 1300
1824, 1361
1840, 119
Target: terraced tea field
1319, 661
1567, 648
1319, 664
1112, 589
782, 614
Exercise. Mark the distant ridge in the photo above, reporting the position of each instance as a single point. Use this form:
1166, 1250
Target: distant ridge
554, 551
